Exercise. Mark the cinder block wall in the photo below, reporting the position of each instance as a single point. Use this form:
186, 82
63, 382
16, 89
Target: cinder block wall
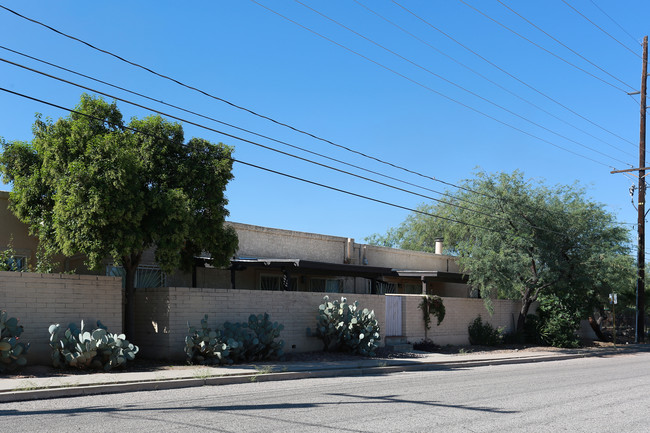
459, 312
163, 314
256, 241
39, 300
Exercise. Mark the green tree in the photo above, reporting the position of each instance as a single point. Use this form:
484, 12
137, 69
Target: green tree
87, 184
516, 238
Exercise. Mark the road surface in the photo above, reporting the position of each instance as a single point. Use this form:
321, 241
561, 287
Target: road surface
590, 395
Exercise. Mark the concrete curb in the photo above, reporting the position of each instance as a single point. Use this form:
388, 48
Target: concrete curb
354, 370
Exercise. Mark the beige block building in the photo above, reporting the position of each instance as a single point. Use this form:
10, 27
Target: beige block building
278, 260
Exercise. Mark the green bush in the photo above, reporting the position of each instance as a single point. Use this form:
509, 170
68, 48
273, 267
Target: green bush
96, 349
558, 323
345, 327
12, 350
484, 334
254, 340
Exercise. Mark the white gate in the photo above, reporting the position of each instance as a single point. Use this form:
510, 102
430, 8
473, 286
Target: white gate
393, 316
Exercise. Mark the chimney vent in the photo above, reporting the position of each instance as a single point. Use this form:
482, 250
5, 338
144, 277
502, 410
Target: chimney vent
439, 245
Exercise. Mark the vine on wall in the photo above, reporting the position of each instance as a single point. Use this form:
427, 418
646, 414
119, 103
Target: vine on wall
432, 305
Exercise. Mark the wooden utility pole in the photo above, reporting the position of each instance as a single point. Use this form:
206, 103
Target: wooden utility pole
640, 288
640, 258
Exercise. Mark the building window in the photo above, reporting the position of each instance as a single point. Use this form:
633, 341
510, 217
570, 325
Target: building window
14, 263
383, 287
146, 276
274, 282
412, 289
325, 285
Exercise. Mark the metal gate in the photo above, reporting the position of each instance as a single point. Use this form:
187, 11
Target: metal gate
393, 316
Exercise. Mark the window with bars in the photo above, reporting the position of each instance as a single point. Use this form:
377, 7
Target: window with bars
274, 282
146, 276
14, 263
326, 285
384, 287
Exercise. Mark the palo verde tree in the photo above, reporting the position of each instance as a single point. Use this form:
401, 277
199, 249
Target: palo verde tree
89, 184
520, 239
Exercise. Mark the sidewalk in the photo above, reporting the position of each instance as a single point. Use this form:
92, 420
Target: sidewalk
18, 389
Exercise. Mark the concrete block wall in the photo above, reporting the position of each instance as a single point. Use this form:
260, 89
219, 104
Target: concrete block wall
256, 241
407, 259
39, 300
163, 314
459, 312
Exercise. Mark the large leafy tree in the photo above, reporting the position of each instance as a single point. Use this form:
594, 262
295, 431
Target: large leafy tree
516, 238
92, 185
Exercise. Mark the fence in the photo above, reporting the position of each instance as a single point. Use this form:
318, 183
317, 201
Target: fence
163, 315
39, 300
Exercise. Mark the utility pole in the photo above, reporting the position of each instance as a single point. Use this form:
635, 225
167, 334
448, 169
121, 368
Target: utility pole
640, 289
640, 258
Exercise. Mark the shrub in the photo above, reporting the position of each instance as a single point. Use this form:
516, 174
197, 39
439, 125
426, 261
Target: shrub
12, 351
96, 349
484, 334
558, 327
254, 340
343, 326
426, 346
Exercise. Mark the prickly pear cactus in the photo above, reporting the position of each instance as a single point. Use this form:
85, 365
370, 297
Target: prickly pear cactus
344, 326
12, 350
264, 344
95, 349
254, 340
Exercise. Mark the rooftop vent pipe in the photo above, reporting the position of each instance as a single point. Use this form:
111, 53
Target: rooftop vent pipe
438, 242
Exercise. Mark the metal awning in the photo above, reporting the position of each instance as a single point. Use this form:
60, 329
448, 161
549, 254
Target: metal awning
447, 277
312, 267
342, 269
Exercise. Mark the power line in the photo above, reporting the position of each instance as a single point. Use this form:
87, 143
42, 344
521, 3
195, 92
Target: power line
235, 105
253, 142
614, 21
264, 168
511, 75
429, 88
564, 45
283, 124
459, 86
456, 186
542, 48
282, 173
225, 123
488, 79
601, 29
492, 215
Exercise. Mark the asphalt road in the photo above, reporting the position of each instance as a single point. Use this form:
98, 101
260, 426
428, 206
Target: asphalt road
593, 394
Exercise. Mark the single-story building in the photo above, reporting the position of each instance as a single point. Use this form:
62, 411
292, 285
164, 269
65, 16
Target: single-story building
276, 259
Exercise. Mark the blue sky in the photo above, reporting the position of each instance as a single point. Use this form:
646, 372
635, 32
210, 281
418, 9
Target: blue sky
401, 112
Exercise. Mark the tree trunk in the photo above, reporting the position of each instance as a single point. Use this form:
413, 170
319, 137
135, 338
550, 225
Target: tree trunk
130, 266
596, 327
525, 306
